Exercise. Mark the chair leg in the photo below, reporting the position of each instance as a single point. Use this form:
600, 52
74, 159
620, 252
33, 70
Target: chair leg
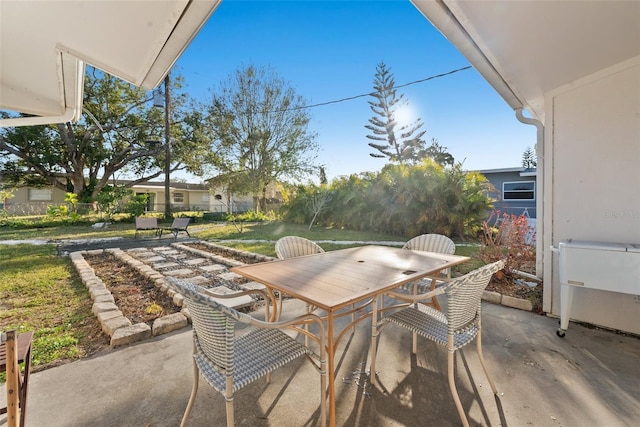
194, 391
353, 319
451, 360
374, 341
323, 391
24, 387
484, 366
228, 397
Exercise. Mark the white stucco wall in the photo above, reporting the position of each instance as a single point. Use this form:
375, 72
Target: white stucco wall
592, 182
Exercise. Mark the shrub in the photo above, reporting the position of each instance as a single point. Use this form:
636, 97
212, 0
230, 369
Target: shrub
508, 237
136, 205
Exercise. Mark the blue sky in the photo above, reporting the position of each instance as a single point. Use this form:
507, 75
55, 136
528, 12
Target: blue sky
328, 50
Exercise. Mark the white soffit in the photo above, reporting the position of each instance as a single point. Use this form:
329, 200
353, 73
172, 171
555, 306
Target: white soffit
45, 44
527, 48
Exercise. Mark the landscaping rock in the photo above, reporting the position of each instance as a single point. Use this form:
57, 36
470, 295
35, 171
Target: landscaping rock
130, 334
171, 322
518, 303
492, 297
99, 307
110, 326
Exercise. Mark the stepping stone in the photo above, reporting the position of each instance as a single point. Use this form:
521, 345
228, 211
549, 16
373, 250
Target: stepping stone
230, 276
195, 261
198, 280
137, 250
178, 273
169, 252
212, 268
252, 285
144, 254
237, 302
156, 259
161, 265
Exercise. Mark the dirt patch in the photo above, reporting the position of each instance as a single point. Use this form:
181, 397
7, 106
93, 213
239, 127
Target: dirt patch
137, 296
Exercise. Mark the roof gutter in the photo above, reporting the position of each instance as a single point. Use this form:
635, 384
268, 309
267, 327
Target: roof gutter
445, 20
69, 114
70, 72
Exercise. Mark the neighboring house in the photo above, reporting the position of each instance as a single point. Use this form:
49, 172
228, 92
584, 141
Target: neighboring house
32, 201
515, 190
192, 197
184, 197
575, 68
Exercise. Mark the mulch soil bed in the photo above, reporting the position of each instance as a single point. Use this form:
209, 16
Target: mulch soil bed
137, 296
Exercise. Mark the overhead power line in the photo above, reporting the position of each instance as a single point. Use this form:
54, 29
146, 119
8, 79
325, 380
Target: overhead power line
320, 104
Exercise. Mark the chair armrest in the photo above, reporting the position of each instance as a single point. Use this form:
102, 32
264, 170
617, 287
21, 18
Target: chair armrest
266, 295
294, 324
418, 297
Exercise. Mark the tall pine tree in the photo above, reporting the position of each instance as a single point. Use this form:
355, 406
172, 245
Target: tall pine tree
398, 142
529, 159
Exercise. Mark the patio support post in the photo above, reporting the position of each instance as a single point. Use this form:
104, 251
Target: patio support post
167, 149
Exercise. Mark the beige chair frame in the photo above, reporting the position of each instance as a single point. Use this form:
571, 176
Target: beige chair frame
229, 363
454, 329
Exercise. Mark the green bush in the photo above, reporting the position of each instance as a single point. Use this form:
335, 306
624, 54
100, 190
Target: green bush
404, 200
214, 216
251, 216
136, 205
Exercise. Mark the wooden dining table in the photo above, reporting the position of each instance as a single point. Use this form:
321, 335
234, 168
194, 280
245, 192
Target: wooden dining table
334, 280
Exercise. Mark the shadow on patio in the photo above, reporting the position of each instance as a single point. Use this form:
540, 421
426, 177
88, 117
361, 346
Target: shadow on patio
591, 377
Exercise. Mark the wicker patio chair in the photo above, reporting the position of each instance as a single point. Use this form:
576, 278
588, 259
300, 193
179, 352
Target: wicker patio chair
430, 243
293, 246
229, 363
454, 329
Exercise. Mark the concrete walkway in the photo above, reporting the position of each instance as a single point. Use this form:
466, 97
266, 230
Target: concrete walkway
589, 378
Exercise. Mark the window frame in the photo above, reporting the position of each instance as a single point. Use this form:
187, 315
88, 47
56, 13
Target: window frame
47, 194
532, 191
178, 197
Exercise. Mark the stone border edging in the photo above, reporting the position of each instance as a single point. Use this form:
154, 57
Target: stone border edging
113, 323
120, 329
507, 301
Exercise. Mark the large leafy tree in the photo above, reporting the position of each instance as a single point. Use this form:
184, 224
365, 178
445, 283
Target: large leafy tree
119, 136
260, 128
398, 142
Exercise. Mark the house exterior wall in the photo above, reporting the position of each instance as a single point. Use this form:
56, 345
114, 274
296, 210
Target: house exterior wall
592, 158
511, 207
182, 199
21, 204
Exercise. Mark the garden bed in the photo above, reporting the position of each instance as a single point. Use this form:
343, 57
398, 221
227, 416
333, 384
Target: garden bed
137, 296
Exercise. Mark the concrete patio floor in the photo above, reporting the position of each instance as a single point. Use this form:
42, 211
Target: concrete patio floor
589, 378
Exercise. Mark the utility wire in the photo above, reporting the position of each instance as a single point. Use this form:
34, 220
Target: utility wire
320, 104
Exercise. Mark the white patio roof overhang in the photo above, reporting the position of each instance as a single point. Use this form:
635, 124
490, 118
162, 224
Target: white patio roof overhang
44, 46
525, 49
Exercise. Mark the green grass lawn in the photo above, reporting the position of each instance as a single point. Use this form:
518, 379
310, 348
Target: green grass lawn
41, 292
